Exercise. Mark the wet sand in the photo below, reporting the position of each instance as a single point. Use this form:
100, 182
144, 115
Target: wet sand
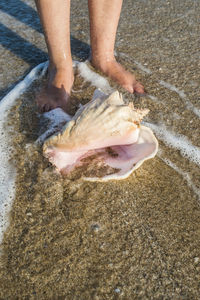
137, 238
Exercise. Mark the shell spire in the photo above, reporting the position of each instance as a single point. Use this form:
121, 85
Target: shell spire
137, 114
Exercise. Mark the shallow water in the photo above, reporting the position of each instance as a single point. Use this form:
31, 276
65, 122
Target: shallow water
91, 233
134, 239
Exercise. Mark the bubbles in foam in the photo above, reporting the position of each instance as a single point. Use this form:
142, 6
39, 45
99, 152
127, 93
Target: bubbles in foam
177, 141
57, 118
8, 173
95, 79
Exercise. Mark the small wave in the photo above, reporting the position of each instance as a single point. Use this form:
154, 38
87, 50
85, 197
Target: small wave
95, 79
8, 173
184, 174
182, 95
177, 141
138, 64
155, 99
142, 68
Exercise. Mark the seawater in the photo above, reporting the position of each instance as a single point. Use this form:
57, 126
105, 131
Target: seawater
150, 217
179, 143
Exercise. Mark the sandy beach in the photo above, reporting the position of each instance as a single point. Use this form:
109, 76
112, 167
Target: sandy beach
137, 238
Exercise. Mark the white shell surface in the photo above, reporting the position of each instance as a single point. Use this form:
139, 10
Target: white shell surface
102, 135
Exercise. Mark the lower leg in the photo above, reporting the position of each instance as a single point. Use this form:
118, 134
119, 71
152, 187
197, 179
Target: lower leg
104, 18
55, 19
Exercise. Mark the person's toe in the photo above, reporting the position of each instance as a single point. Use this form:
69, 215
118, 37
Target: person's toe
40, 108
47, 107
43, 108
128, 87
138, 88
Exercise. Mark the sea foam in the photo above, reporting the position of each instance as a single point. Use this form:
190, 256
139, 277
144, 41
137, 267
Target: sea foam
96, 80
182, 95
177, 141
184, 174
8, 172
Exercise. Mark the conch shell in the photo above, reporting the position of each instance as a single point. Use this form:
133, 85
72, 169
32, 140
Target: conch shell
105, 131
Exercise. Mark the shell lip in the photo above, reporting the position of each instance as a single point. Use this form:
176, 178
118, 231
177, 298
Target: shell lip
134, 167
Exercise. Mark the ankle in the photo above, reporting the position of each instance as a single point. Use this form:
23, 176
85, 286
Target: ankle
63, 66
60, 71
102, 61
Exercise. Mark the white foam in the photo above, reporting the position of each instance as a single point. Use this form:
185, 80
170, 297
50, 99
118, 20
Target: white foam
8, 172
195, 110
155, 99
183, 96
142, 68
172, 87
56, 118
177, 141
138, 64
96, 80
10, 98
184, 174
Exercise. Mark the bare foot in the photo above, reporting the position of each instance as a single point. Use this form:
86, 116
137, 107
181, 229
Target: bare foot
116, 72
56, 93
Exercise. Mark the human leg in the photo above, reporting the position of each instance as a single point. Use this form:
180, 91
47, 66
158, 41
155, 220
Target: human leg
55, 19
104, 18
